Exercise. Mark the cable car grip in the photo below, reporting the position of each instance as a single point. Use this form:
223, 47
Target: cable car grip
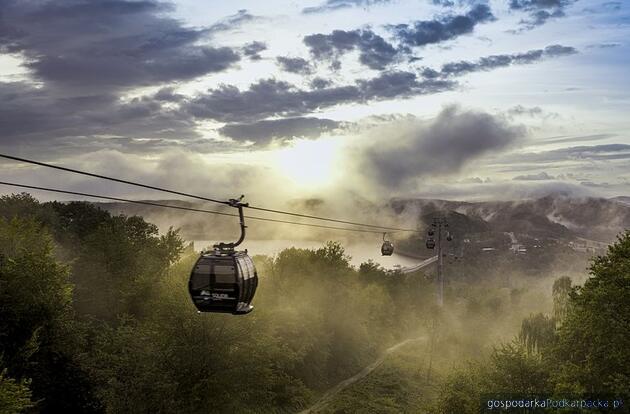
236, 203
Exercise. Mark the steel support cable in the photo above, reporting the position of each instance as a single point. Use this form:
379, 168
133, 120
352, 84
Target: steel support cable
198, 210
151, 187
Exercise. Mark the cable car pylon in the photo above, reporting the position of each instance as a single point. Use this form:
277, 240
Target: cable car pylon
439, 224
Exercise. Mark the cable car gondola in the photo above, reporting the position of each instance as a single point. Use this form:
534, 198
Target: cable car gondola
224, 280
387, 249
430, 243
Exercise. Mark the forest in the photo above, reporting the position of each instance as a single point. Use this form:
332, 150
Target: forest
95, 317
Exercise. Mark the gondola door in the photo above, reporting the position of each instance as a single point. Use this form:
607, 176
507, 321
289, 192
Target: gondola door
224, 281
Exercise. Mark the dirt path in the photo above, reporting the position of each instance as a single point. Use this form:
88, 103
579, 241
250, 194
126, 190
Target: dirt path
332, 392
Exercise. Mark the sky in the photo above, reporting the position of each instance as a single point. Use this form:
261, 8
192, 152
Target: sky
287, 100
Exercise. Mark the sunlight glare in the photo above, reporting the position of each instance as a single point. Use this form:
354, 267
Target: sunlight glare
308, 163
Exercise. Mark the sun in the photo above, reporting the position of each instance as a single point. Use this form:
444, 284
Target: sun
308, 163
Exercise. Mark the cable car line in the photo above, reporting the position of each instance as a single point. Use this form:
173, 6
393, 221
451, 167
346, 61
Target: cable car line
393, 229
104, 177
151, 187
198, 210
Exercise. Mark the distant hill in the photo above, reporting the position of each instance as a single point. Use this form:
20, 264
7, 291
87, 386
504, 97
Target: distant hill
552, 216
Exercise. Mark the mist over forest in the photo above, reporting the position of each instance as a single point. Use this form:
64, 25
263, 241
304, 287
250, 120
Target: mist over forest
97, 318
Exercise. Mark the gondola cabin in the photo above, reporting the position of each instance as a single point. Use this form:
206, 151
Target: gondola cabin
223, 282
387, 249
430, 243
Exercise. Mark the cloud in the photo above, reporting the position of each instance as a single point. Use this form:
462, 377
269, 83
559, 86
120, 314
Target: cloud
270, 97
320, 83
168, 94
609, 45
534, 177
504, 190
594, 184
603, 152
262, 132
374, 51
37, 116
106, 44
498, 61
521, 110
441, 29
452, 3
252, 50
295, 65
540, 11
573, 139
233, 22
441, 146
332, 5
531, 112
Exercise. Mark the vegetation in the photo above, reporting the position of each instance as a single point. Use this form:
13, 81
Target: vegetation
583, 349
95, 318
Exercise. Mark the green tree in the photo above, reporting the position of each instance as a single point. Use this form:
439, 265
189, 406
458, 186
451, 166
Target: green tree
561, 292
537, 333
593, 348
510, 370
15, 396
39, 335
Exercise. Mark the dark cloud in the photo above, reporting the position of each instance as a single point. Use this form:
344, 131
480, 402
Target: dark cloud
103, 44
168, 94
452, 3
559, 50
320, 83
262, 132
233, 22
534, 177
332, 5
442, 146
391, 85
270, 97
443, 3
374, 51
540, 11
31, 116
295, 65
252, 50
441, 29
497, 61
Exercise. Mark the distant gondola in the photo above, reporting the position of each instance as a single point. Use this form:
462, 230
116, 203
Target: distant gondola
430, 243
387, 249
224, 280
